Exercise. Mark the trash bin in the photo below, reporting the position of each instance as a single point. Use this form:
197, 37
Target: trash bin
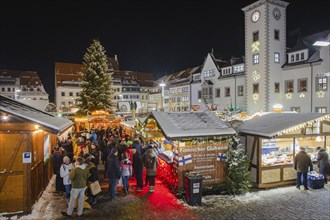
193, 188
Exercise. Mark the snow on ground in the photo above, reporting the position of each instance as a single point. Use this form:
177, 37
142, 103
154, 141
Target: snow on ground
279, 203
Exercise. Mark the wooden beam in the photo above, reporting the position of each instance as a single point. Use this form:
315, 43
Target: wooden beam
12, 173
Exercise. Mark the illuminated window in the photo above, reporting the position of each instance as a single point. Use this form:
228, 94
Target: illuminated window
276, 151
276, 57
313, 129
321, 82
277, 87
302, 85
255, 58
256, 88
321, 109
255, 36
227, 92
276, 34
240, 90
295, 109
217, 92
288, 86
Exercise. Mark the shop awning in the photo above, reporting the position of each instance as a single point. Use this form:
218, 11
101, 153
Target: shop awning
274, 124
32, 115
192, 124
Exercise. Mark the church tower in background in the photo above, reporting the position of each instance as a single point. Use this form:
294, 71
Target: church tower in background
265, 53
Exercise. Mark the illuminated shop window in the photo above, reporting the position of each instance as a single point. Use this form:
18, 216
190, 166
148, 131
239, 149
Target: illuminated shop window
277, 151
310, 143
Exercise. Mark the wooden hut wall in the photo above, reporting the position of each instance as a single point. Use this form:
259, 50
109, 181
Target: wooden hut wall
13, 192
22, 183
203, 160
252, 152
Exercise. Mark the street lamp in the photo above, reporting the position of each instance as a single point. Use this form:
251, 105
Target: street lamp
162, 84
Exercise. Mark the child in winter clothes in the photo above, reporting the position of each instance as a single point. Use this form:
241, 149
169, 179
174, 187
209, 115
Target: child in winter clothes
126, 171
64, 172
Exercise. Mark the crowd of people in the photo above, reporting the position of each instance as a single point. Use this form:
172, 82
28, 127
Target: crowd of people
76, 161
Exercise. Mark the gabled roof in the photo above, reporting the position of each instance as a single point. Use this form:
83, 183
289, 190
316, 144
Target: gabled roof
272, 124
191, 124
32, 115
26, 78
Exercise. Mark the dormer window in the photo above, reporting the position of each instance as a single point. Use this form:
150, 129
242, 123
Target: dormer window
302, 56
297, 57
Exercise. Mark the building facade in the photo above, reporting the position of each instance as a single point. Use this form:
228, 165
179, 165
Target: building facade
25, 87
297, 78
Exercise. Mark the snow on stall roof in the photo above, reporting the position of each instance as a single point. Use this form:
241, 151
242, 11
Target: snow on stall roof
189, 124
269, 125
33, 115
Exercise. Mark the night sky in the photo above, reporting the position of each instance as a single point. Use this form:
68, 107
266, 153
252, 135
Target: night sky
157, 36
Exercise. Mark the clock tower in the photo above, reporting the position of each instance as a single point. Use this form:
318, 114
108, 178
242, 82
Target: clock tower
265, 53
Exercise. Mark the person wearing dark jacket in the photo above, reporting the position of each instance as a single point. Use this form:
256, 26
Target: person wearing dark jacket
57, 159
302, 162
113, 172
138, 169
94, 176
105, 155
323, 163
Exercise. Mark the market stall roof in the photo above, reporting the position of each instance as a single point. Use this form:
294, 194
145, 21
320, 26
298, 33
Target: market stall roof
128, 123
33, 115
274, 124
191, 124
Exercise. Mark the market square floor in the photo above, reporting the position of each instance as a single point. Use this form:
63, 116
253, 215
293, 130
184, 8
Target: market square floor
280, 203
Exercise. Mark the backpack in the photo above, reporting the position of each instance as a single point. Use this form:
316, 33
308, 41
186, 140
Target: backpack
151, 162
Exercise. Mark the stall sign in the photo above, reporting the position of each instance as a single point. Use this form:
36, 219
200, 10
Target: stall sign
27, 157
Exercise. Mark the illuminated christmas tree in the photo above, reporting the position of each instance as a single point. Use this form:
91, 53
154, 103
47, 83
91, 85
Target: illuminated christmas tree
96, 78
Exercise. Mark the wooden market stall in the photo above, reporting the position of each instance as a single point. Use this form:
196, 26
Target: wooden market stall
272, 141
97, 119
27, 136
186, 142
132, 126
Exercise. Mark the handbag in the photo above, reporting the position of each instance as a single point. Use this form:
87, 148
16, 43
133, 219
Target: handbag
95, 187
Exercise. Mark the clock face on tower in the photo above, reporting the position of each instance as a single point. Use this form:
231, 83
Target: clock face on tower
277, 13
255, 16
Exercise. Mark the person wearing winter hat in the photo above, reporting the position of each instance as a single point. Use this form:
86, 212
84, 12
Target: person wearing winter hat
65, 169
